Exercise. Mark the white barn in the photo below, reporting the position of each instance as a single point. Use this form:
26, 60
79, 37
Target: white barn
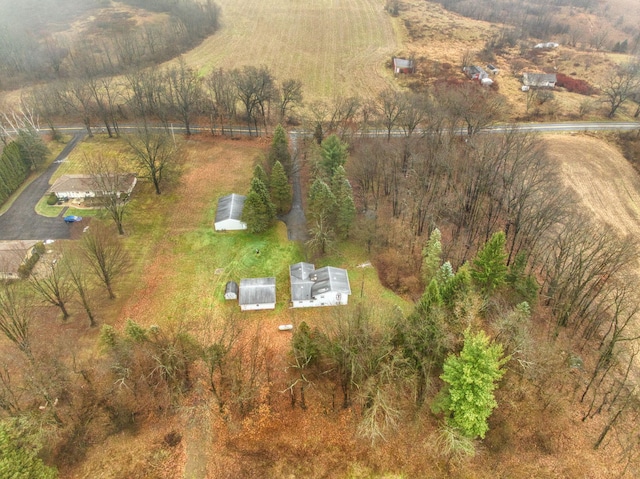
229, 213
257, 293
89, 186
312, 287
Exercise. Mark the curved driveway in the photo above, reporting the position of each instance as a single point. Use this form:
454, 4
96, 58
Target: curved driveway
21, 222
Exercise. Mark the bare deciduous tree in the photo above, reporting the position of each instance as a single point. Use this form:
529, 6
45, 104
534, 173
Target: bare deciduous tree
105, 255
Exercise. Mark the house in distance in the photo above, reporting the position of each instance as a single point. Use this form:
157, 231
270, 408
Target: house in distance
229, 213
312, 287
90, 186
257, 293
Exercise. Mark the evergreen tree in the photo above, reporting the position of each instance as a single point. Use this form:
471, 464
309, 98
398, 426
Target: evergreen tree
33, 151
322, 202
280, 189
345, 206
432, 256
471, 378
490, 266
279, 150
334, 153
18, 459
258, 211
259, 173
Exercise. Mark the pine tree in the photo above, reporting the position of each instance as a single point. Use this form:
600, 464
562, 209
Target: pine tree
490, 266
334, 153
259, 173
18, 459
279, 150
432, 256
471, 379
345, 206
280, 189
33, 150
322, 202
258, 211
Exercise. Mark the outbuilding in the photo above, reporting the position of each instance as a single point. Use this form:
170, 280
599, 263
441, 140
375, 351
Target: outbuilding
231, 290
403, 65
257, 293
310, 287
229, 213
539, 80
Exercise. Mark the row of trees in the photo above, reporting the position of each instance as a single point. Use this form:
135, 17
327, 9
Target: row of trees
22, 152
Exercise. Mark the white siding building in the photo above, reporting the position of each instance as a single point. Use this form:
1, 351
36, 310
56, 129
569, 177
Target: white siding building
312, 287
257, 293
229, 213
89, 186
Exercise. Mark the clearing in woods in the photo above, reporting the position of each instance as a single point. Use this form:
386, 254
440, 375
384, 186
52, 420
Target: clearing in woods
334, 48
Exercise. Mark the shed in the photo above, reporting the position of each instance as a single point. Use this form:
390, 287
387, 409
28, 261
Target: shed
257, 293
403, 65
310, 287
475, 72
231, 290
539, 80
90, 186
229, 213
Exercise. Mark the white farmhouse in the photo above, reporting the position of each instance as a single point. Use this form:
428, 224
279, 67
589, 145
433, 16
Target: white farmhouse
312, 287
257, 293
229, 213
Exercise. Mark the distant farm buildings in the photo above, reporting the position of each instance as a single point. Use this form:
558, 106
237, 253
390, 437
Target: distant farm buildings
312, 287
257, 293
475, 73
229, 213
539, 80
403, 65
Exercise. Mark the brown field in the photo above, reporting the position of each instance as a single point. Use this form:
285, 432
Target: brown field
335, 48
606, 184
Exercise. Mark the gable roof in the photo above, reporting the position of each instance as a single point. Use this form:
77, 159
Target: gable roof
230, 207
257, 291
85, 183
539, 79
307, 282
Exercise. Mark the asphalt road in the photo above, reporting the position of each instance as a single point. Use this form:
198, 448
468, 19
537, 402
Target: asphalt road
21, 222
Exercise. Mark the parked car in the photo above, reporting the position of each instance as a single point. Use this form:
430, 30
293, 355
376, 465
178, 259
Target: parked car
72, 219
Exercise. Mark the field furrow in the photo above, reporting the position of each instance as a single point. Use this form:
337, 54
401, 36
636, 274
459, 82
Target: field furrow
334, 47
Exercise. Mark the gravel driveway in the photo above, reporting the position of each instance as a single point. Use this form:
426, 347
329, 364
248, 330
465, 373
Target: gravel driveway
21, 222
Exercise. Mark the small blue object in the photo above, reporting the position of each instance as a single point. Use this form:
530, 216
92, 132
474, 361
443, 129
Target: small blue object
72, 219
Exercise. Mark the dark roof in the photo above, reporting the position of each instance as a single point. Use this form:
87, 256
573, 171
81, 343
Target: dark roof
83, 183
231, 287
306, 281
473, 70
230, 207
538, 79
257, 291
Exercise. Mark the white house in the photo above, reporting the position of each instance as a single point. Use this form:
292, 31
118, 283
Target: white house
312, 287
90, 186
257, 293
229, 213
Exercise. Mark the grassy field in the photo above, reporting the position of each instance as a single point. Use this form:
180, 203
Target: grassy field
335, 48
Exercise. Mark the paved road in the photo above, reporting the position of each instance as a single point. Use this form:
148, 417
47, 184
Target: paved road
21, 222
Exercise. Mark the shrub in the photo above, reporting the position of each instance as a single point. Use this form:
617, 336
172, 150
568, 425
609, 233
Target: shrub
574, 85
52, 200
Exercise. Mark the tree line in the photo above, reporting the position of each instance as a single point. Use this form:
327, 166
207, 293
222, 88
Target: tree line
115, 45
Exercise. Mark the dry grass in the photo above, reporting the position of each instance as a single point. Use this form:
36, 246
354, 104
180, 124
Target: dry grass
334, 48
